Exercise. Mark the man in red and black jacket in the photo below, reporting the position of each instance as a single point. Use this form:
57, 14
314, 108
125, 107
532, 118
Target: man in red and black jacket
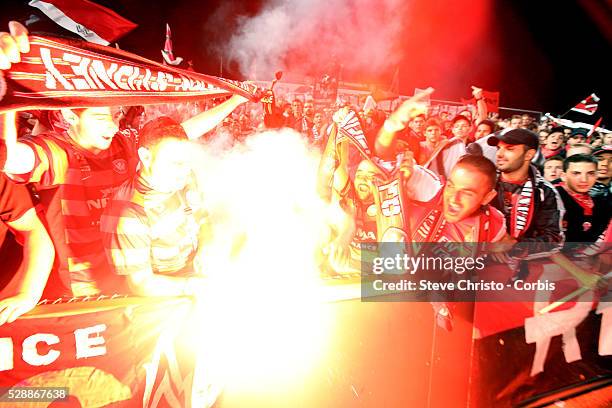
531, 205
586, 218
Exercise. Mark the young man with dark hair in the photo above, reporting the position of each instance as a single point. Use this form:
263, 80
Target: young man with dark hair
308, 118
515, 122
76, 173
469, 190
586, 217
526, 120
295, 118
577, 136
150, 230
531, 205
543, 134
553, 145
433, 139
461, 128
553, 167
484, 128
603, 187
417, 125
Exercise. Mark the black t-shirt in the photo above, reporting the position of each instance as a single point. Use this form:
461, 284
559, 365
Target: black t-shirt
584, 228
509, 190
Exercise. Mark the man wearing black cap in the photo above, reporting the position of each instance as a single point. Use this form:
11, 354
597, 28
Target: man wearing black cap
577, 136
531, 205
603, 187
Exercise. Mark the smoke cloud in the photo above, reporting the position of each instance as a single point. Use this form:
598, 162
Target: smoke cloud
304, 36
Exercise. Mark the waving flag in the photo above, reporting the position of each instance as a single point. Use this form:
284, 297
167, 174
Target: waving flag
167, 51
491, 98
595, 126
588, 105
576, 124
91, 21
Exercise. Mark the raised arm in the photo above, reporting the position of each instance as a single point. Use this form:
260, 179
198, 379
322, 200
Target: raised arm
481, 105
38, 255
15, 157
397, 121
207, 120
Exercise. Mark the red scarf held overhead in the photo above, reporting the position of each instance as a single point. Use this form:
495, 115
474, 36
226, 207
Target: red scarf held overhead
63, 73
583, 199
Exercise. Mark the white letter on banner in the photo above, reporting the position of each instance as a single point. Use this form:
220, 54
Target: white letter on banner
30, 353
124, 71
52, 75
81, 69
133, 79
104, 75
6, 353
90, 346
541, 328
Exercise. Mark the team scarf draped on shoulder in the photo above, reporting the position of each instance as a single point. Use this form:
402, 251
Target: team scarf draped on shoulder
584, 200
389, 199
59, 73
523, 204
522, 209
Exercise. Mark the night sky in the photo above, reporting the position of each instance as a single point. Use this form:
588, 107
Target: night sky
543, 56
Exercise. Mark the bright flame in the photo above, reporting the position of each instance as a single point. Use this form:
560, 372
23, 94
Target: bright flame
263, 320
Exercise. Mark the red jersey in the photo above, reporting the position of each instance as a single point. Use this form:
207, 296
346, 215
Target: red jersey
75, 186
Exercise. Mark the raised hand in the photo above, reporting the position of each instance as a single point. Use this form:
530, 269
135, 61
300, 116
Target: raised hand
407, 110
13, 44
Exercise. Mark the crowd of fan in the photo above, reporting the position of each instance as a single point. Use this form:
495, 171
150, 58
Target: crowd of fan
109, 180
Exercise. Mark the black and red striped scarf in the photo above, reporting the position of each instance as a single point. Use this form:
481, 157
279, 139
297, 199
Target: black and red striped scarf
68, 73
522, 210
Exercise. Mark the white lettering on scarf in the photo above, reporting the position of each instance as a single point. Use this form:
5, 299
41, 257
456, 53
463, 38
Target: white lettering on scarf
70, 71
